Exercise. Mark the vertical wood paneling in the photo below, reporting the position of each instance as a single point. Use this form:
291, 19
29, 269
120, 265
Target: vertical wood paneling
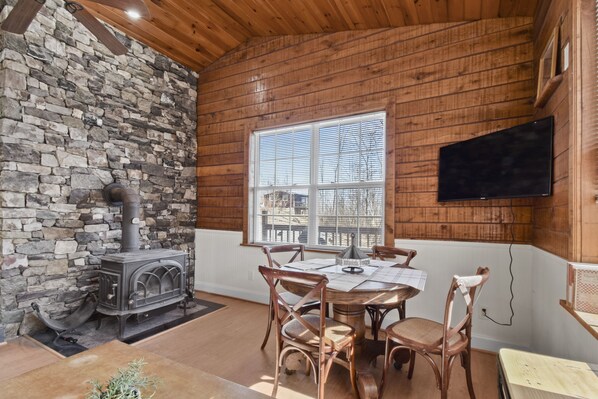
447, 82
552, 216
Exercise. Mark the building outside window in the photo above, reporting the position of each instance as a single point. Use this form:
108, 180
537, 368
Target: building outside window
317, 183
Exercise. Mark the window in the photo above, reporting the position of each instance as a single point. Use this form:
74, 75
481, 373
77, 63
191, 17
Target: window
318, 183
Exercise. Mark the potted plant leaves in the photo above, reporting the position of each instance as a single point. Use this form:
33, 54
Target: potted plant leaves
128, 383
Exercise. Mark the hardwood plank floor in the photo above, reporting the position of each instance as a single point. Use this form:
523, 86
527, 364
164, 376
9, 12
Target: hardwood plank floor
24, 354
227, 344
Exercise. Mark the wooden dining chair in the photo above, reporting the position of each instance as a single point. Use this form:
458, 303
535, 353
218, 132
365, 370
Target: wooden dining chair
428, 337
297, 253
319, 338
378, 312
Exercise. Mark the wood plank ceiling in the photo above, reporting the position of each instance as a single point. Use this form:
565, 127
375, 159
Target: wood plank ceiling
198, 32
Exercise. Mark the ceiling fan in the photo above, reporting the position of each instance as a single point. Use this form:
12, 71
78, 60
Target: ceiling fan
24, 11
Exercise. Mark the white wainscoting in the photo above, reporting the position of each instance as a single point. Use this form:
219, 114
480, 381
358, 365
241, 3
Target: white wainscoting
554, 331
225, 267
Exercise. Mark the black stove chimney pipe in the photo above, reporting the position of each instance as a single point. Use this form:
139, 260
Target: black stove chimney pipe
118, 195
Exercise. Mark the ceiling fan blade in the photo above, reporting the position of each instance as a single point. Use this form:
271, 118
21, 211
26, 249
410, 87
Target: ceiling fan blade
127, 5
21, 16
96, 27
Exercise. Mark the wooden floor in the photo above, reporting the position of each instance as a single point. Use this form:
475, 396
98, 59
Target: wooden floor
24, 354
226, 343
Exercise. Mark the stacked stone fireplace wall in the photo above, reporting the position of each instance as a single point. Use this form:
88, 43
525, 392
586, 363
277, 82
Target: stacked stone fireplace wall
74, 118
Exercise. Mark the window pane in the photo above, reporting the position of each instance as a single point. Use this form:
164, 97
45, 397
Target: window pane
329, 140
284, 145
327, 169
327, 202
371, 166
301, 170
372, 135
265, 202
350, 153
284, 172
370, 231
267, 147
302, 143
372, 201
348, 170
281, 202
348, 202
349, 137
267, 173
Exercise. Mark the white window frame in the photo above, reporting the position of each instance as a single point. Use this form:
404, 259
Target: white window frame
314, 186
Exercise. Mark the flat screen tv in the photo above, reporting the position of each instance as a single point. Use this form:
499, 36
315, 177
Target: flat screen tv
511, 163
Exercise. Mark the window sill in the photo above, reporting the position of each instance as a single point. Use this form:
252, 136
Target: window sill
307, 249
579, 316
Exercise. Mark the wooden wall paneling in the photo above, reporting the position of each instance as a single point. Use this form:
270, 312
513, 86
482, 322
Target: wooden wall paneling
389, 185
407, 71
556, 237
453, 134
586, 31
279, 63
449, 83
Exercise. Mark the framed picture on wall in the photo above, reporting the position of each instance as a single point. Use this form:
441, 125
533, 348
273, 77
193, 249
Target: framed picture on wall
548, 79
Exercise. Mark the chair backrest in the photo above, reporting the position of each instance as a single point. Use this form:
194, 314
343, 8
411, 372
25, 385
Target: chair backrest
466, 286
316, 284
297, 250
384, 253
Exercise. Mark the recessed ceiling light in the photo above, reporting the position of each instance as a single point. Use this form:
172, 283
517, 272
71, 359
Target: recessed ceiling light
133, 14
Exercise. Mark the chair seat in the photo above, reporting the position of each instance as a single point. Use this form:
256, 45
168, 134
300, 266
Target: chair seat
292, 299
424, 334
338, 333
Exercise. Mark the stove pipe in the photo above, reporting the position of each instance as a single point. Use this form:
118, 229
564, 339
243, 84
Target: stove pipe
118, 195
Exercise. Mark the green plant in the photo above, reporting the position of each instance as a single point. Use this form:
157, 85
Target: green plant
128, 383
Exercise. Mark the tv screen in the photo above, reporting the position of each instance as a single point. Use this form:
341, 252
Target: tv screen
514, 162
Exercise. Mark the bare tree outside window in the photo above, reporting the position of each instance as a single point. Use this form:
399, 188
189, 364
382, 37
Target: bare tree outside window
343, 195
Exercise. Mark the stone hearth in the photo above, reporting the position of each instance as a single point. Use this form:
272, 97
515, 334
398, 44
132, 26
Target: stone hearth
74, 118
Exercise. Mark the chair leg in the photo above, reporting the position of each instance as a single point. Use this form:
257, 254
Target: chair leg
445, 375
277, 372
402, 310
411, 364
384, 366
353, 371
467, 360
376, 324
321, 376
269, 326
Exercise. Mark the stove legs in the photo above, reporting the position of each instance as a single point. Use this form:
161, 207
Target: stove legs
122, 323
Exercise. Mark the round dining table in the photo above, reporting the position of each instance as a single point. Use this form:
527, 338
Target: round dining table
349, 307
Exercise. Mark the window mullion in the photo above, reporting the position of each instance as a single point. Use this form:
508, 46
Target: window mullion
313, 238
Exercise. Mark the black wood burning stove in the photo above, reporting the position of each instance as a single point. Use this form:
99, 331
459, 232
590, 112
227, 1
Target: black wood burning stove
134, 281
141, 281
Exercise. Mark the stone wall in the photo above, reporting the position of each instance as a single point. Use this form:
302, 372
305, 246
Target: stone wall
74, 118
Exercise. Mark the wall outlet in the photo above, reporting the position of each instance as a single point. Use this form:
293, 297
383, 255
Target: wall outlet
482, 312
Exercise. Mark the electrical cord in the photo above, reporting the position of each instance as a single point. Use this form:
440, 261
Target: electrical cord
510, 323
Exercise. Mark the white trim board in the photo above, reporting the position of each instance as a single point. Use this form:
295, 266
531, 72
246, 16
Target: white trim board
225, 267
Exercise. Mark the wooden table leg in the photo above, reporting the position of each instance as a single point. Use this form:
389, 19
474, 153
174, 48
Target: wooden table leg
353, 315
